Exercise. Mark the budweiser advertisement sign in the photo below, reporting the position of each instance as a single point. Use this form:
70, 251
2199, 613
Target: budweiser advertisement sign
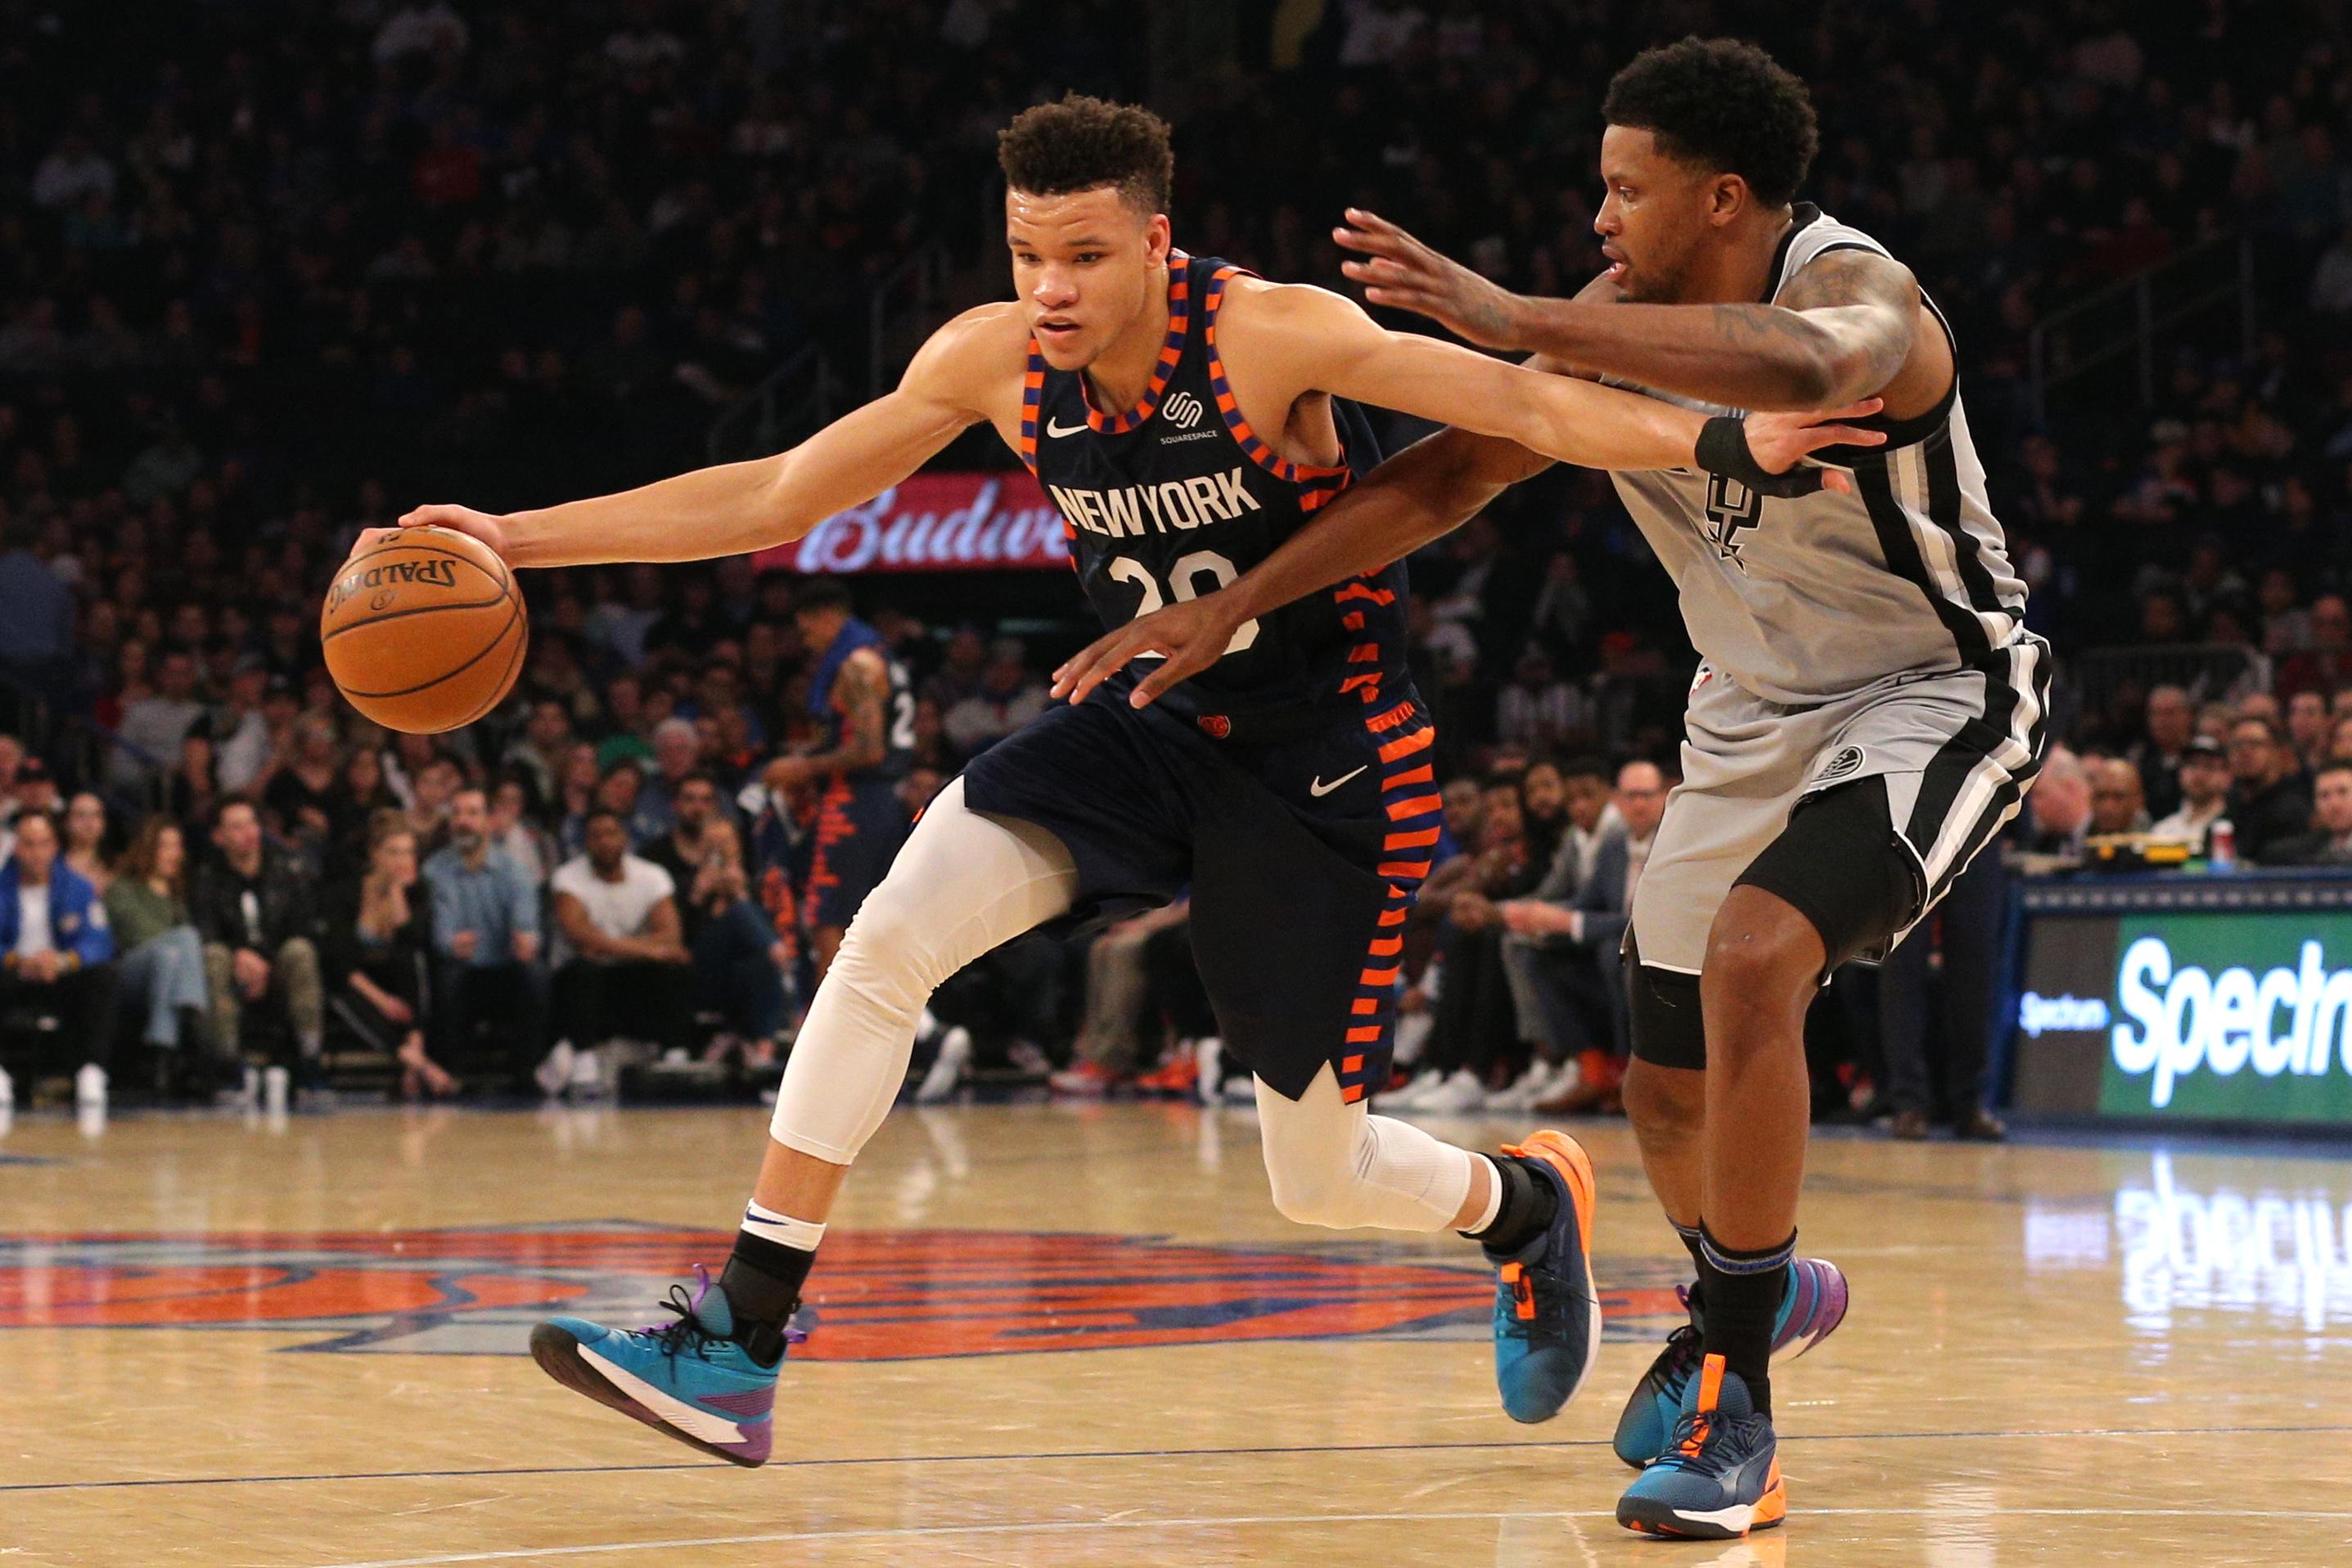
934, 522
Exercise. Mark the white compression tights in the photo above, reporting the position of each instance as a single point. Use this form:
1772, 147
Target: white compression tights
965, 883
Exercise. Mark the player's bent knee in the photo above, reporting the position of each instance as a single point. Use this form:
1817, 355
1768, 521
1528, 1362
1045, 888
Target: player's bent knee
1761, 950
1661, 1101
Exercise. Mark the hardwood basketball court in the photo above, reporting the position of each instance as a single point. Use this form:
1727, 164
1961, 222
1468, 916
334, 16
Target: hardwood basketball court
1055, 1335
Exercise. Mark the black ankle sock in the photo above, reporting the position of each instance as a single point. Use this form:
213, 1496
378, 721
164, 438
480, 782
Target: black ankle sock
763, 1282
1530, 1205
1743, 1302
1690, 1235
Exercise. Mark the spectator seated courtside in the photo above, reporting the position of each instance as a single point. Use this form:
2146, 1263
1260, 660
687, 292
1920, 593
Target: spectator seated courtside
625, 973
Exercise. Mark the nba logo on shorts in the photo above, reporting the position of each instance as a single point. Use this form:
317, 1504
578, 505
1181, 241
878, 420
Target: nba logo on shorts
1217, 725
1184, 411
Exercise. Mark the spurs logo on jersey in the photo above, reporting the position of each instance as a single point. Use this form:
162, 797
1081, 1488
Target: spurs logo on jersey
1731, 507
1803, 599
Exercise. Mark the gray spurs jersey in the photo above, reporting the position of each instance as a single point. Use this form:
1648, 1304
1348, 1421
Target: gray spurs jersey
1804, 599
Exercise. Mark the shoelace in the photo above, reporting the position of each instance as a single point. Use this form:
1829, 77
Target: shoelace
688, 1333
1697, 1444
1527, 1297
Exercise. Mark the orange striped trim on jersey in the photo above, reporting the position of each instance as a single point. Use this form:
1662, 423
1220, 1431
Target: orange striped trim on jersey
1317, 486
1415, 821
1032, 394
1172, 354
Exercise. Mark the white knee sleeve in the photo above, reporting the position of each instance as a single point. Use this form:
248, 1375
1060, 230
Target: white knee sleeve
1333, 1163
963, 884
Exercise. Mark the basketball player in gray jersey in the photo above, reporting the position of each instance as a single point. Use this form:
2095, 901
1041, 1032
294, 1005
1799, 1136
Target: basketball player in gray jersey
1868, 713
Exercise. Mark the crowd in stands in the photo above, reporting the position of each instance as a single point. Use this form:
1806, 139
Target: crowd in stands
270, 272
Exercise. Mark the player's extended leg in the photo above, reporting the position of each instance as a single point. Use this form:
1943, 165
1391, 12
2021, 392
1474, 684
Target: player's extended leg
962, 884
1331, 1163
1835, 882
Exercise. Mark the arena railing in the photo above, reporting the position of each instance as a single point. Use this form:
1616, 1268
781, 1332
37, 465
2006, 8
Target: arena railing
2130, 316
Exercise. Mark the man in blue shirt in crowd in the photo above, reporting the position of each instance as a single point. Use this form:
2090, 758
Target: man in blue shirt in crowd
485, 935
55, 950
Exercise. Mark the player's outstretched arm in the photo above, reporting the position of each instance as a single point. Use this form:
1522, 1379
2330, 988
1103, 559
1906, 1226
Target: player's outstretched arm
1844, 327
1298, 340
734, 508
1423, 493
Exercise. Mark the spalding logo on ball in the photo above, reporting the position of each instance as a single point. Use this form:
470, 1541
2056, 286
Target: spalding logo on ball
424, 632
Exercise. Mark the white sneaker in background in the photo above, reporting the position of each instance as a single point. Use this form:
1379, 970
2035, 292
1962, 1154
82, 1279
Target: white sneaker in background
586, 1078
275, 1083
553, 1074
1524, 1091
1209, 1054
1411, 1034
947, 1067
1240, 1090
89, 1086
7, 1090
1415, 1090
1460, 1092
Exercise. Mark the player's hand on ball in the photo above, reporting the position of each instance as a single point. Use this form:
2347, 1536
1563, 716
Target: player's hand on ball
1404, 273
1779, 441
1190, 637
488, 527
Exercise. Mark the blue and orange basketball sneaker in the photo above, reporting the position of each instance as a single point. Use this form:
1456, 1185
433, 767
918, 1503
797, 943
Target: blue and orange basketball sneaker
1547, 1313
1720, 1475
685, 1378
1811, 1310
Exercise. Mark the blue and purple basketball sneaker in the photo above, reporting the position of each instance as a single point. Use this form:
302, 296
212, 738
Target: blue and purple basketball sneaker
1720, 1475
686, 1378
1812, 1308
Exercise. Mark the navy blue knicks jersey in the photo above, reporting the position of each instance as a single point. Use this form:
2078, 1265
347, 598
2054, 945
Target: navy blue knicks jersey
1177, 496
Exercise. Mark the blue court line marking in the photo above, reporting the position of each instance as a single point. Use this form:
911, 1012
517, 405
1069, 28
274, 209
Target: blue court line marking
1093, 1455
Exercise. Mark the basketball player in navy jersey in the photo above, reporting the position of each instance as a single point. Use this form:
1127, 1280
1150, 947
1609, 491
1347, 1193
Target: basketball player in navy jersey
1869, 711
1186, 418
864, 714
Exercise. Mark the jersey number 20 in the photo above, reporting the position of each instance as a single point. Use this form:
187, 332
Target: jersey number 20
1185, 581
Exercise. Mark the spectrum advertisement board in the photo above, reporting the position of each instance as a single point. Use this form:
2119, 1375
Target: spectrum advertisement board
2205, 1015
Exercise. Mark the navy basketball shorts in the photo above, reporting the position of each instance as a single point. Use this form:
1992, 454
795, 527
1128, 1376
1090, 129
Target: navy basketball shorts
859, 825
1302, 855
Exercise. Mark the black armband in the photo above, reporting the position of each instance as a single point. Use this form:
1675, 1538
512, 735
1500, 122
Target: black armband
1723, 449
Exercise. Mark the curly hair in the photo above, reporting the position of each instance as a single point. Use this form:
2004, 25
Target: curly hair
1082, 142
1720, 105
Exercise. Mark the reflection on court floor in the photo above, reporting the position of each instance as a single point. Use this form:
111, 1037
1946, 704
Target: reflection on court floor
1060, 1335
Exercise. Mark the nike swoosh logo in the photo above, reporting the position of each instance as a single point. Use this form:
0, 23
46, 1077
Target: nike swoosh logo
1318, 789
1056, 428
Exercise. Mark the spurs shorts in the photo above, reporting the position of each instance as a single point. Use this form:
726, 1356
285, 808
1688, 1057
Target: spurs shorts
1956, 751
1302, 852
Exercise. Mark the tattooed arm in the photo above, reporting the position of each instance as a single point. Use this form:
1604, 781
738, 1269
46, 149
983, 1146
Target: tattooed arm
1845, 327
863, 689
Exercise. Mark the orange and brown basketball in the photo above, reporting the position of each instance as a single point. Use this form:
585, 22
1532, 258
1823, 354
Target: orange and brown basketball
424, 632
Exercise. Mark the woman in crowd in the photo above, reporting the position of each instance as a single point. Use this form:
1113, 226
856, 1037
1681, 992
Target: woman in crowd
360, 792
163, 958
380, 946
87, 831
193, 785
735, 972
